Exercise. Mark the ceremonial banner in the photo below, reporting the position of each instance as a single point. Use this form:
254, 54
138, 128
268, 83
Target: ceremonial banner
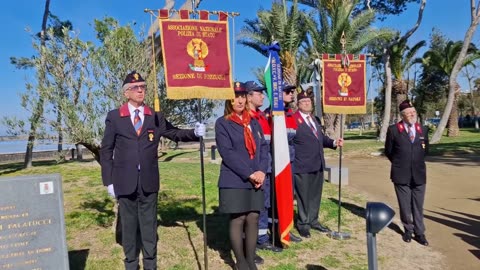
281, 156
344, 87
196, 57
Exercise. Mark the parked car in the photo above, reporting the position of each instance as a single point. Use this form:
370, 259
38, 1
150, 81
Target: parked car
354, 125
432, 121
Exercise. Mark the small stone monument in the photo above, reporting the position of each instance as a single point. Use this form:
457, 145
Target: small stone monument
32, 225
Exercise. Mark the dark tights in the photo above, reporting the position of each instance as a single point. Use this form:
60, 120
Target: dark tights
239, 224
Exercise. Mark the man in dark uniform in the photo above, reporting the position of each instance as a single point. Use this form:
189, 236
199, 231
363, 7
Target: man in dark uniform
405, 146
308, 165
255, 99
288, 92
129, 160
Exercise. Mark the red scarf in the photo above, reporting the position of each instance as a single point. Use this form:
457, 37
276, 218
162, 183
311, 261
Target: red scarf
247, 133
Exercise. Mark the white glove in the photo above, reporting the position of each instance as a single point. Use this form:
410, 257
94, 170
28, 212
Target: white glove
200, 129
111, 191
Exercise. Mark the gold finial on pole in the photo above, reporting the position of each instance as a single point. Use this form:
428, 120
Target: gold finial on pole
343, 41
345, 60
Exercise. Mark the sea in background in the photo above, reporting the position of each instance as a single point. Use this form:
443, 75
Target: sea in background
19, 146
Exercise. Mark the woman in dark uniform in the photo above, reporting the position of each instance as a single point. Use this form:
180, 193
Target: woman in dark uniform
243, 149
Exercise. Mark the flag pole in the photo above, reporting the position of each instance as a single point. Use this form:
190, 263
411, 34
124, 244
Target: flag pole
339, 235
202, 172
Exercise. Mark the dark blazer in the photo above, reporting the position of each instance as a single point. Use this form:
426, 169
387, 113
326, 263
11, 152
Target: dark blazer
408, 159
309, 156
236, 164
122, 150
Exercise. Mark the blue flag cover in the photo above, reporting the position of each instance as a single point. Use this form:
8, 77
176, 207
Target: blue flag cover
273, 78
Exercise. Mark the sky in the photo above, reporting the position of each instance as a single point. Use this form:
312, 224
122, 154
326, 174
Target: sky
451, 17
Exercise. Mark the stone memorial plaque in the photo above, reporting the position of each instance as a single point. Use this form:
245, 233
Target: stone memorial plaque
32, 225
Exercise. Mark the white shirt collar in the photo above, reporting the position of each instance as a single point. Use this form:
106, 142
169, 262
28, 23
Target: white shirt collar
132, 109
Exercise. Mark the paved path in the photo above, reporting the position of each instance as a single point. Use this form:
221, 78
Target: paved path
452, 204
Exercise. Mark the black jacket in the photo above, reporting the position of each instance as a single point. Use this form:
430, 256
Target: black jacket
236, 165
122, 150
309, 156
407, 158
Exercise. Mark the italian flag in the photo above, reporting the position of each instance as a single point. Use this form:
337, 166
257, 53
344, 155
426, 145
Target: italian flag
281, 156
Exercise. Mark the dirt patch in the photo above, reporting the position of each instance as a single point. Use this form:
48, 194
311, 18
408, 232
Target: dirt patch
452, 214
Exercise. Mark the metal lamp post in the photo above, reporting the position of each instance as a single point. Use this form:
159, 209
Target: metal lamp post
378, 216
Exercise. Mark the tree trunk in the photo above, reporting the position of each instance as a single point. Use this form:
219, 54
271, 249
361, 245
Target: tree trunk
329, 119
38, 110
79, 151
399, 87
94, 149
475, 18
60, 132
388, 96
452, 126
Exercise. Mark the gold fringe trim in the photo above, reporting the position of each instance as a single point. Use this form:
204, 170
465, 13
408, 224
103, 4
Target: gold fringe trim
285, 243
362, 109
197, 92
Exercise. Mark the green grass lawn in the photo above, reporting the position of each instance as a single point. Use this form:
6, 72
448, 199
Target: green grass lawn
89, 213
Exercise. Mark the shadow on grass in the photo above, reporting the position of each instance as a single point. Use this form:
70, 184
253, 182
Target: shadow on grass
361, 212
175, 212
78, 259
7, 168
315, 267
170, 158
463, 149
103, 213
360, 137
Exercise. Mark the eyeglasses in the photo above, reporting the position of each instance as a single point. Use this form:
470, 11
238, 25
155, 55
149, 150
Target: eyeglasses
288, 92
138, 87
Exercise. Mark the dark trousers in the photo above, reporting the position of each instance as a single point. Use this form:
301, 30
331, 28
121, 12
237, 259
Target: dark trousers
308, 188
410, 200
263, 218
138, 214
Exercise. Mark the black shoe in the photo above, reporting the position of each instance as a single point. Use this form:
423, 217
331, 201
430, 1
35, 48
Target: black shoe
294, 238
407, 236
320, 228
421, 239
258, 259
269, 246
304, 233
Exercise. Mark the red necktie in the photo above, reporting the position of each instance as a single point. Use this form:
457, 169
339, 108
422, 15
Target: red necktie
309, 121
137, 122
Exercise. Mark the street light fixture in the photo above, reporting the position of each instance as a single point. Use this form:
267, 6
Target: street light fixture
378, 216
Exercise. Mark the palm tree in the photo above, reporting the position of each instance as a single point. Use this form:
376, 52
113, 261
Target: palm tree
286, 26
401, 59
334, 18
443, 61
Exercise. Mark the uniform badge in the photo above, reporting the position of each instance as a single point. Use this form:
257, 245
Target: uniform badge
423, 145
150, 135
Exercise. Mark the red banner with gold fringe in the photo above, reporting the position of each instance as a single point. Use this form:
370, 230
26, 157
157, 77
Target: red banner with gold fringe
196, 57
344, 88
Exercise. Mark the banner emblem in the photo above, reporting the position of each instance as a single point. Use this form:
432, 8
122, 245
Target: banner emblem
198, 50
344, 80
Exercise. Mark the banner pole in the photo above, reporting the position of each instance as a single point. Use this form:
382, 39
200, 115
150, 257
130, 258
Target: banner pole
273, 199
339, 235
340, 177
202, 173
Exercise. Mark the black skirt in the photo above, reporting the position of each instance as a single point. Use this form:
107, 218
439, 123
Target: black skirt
236, 200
